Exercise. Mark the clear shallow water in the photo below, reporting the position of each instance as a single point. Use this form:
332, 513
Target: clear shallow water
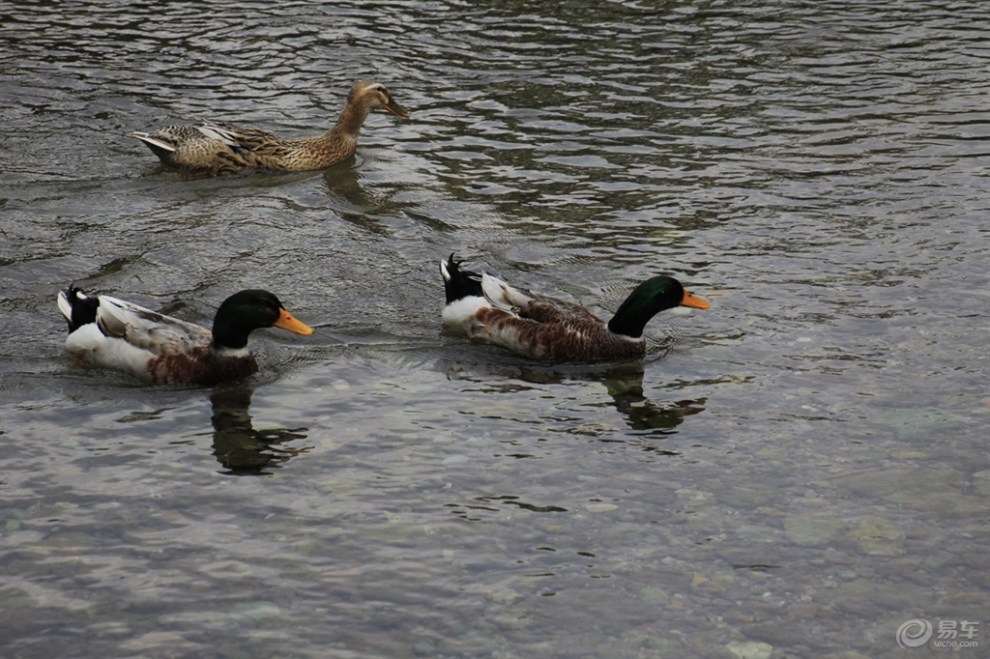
797, 471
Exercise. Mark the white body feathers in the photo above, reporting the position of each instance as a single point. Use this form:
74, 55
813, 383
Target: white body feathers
127, 337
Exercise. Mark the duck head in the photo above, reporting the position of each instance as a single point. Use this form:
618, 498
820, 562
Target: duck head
243, 312
371, 95
654, 295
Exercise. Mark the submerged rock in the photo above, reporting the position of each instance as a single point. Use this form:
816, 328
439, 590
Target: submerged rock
812, 528
879, 537
750, 649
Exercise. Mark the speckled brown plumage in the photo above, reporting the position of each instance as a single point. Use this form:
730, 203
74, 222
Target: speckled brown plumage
200, 366
213, 148
542, 332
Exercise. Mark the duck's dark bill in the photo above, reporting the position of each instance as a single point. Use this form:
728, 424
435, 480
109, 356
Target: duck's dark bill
397, 109
287, 322
693, 301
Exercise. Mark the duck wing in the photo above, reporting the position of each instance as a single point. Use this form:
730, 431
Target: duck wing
149, 330
533, 306
239, 139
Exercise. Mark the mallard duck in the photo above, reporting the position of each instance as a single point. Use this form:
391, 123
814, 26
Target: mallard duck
109, 333
213, 148
484, 307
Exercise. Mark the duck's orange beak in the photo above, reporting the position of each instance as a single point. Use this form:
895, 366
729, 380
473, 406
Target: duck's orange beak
693, 301
287, 322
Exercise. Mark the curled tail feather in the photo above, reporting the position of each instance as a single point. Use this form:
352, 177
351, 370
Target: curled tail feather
458, 283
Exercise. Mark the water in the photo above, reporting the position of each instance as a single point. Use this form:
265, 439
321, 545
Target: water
795, 472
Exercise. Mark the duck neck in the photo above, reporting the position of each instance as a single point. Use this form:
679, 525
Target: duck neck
229, 336
629, 322
351, 119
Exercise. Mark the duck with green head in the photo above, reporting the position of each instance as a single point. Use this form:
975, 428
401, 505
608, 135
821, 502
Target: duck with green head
106, 332
485, 308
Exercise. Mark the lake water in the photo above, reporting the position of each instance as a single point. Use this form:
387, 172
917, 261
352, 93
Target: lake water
797, 472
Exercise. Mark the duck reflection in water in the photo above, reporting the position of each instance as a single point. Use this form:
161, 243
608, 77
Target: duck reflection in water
240, 448
623, 381
624, 384
352, 201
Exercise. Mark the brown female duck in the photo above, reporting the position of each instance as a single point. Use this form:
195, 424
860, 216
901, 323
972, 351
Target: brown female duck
213, 148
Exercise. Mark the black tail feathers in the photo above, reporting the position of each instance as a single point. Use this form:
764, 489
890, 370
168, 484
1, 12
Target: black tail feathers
82, 308
459, 283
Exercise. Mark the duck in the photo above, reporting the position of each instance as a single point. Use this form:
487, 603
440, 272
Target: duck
485, 308
106, 332
215, 148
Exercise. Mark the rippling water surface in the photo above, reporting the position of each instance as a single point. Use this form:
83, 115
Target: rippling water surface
795, 472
